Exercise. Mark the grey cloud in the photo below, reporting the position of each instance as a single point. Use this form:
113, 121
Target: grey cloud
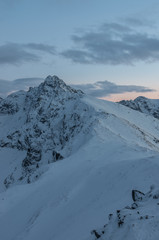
41, 47
77, 56
139, 22
114, 44
105, 88
7, 87
98, 89
14, 53
115, 27
135, 21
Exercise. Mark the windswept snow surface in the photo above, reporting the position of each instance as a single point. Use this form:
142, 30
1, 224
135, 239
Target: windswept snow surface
75, 195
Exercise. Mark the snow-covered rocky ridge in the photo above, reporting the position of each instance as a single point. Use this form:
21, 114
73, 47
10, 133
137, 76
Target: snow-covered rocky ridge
43, 122
144, 105
107, 149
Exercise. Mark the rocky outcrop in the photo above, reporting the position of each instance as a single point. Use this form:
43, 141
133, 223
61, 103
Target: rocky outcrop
137, 221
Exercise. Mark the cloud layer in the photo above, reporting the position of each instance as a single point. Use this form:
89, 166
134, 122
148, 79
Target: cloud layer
98, 89
14, 53
7, 87
114, 43
106, 88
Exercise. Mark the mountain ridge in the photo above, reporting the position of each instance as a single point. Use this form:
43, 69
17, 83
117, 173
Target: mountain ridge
67, 160
144, 105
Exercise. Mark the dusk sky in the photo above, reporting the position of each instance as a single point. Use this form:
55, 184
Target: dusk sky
83, 41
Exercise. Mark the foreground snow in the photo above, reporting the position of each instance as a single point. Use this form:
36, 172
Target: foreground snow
75, 195
138, 221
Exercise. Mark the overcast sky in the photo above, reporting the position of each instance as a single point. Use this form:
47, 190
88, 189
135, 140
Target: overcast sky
82, 41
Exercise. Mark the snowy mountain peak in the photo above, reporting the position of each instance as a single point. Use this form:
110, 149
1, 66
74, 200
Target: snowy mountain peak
144, 105
141, 98
44, 122
52, 78
57, 85
54, 81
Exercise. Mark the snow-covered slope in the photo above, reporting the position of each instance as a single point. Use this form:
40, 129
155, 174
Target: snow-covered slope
144, 105
107, 150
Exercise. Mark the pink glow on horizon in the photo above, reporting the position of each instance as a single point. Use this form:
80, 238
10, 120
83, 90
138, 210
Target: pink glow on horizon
131, 96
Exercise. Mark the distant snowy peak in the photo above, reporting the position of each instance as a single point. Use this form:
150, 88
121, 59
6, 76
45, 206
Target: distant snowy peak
144, 105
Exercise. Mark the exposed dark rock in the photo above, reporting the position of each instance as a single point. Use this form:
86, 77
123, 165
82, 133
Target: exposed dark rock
129, 217
94, 232
56, 156
137, 195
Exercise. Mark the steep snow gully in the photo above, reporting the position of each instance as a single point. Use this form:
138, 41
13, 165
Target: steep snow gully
69, 163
